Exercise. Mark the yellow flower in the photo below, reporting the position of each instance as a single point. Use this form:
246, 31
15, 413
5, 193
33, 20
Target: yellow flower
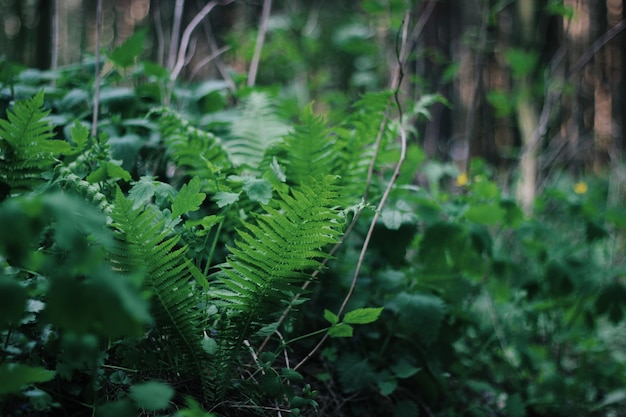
462, 179
580, 187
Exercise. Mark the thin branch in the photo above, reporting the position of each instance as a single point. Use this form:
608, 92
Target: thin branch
254, 65
208, 60
178, 17
213, 46
184, 42
397, 80
96, 96
54, 56
158, 25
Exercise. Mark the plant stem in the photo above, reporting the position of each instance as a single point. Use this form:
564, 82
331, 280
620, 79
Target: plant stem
254, 65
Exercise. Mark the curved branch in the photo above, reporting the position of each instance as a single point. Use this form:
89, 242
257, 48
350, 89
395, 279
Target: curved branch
184, 42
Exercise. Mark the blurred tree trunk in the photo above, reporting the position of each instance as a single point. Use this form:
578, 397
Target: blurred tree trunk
439, 33
527, 111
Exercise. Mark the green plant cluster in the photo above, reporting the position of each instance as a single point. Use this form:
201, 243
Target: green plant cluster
163, 266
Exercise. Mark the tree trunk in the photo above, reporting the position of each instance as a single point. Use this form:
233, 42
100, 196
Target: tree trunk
526, 111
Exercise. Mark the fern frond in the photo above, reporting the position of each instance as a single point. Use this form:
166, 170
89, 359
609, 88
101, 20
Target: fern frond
269, 262
144, 245
311, 149
201, 153
256, 129
27, 149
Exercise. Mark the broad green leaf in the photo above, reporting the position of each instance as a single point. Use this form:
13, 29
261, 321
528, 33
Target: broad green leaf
224, 198
126, 54
521, 62
387, 387
341, 330
142, 191
259, 190
151, 396
486, 214
404, 369
12, 301
363, 315
14, 376
209, 345
115, 171
331, 317
189, 198
422, 313
291, 375
617, 216
79, 134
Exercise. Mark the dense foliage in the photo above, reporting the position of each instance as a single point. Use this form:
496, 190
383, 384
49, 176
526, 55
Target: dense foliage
196, 262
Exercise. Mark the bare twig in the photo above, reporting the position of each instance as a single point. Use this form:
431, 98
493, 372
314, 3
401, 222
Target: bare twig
54, 56
96, 95
397, 80
178, 17
184, 42
254, 65
208, 60
160, 34
214, 48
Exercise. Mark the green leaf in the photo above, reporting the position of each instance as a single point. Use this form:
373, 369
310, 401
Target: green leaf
79, 134
291, 375
486, 214
209, 345
331, 317
115, 171
142, 191
403, 369
151, 396
189, 198
617, 216
126, 54
341, 330
259, 190
14, 376
12, 301
224, 198
521, 62
363, 315
387, 387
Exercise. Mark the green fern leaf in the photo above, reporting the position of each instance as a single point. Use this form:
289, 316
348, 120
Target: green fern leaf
257, 129
201, 153
269, 261
144, 245
27, 149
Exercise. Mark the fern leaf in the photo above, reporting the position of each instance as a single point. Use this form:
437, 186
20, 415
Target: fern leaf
254, 132
144, 245
270, 260
201, 153
26, 146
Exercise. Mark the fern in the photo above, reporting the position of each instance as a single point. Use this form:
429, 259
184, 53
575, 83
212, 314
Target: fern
27, 149
256, 130
311, 149
144, 245
268, 263
201, 153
